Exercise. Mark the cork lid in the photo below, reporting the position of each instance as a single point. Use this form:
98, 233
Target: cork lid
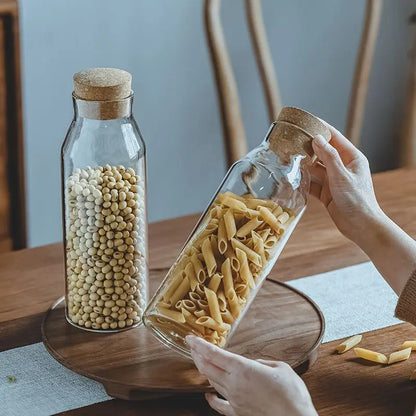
292, 134
102, 84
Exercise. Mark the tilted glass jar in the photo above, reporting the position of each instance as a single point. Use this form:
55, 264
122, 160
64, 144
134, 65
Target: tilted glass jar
238, 238
104, 205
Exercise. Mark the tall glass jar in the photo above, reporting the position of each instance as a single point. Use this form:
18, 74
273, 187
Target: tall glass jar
104, 205
238, 238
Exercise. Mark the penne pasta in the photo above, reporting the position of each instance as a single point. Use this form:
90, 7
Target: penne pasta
227, 317
235, 305
283, 217
214, 247
248, 227
277, 211
194, 296
200, 312
212, 281
222, 341
264, 233
231, 195
213, 305
209, 322
235, 204
190, 274
209, 257
199, 270
400, 355
270, 242
227, 277
408, 344
254, 203
245, 272
180, 292
202, 304
215, 282
270, 219
222, 301
191, 320
222, 237
235, 264
174, 315
251, 255
174, 283
413, 376
229, 222
258, 246
369, 355
200, 290
349, 343
241, 289
189, 305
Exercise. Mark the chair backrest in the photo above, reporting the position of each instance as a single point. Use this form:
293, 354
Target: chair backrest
12, 189
232, 124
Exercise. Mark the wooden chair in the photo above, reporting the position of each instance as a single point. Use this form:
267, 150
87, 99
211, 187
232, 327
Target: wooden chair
232, 124
12, 188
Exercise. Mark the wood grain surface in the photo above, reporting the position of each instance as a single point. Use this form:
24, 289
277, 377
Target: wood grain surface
282, 324
31, 280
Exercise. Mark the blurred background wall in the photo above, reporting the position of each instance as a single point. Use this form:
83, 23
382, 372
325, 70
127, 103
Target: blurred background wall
162, 43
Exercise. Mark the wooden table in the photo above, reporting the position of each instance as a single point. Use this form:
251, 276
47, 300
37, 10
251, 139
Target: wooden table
30, 280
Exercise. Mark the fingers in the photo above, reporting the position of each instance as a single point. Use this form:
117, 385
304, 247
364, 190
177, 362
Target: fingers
221, 406
212, 372
219, 389
217, 356
328, 155
347, 151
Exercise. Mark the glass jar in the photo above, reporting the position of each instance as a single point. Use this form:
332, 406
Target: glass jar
239, 237
104, 205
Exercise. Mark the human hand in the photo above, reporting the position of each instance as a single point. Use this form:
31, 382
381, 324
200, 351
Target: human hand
250, 387
342, 181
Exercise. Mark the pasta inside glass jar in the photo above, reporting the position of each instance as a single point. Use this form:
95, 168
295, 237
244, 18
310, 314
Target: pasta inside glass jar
238, 238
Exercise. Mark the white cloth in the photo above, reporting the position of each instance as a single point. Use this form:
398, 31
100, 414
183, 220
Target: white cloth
354, 300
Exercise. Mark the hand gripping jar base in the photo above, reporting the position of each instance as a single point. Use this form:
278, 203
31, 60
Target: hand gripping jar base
239, 237
104, 205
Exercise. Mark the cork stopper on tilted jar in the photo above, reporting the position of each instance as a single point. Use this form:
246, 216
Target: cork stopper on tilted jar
104, 205
238, 239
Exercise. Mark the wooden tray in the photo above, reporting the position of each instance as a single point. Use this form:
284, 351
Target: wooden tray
282, 324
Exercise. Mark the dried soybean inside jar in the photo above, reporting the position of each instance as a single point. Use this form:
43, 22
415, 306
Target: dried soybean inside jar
239, 237
104, 205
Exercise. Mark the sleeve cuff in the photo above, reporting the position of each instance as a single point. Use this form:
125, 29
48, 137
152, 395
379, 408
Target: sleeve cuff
406, 306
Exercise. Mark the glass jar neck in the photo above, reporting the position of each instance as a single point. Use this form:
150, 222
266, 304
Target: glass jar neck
102, 110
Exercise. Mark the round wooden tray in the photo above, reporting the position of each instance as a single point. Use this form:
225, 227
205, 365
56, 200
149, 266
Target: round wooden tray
282, 324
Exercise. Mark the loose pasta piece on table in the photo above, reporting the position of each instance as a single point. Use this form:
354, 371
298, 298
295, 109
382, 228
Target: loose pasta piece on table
400, 355
408, 344
349, 343
369, 355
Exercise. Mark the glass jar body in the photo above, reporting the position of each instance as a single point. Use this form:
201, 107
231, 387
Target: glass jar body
104, 221
231, 250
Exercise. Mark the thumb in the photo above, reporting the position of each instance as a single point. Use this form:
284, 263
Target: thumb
328, 155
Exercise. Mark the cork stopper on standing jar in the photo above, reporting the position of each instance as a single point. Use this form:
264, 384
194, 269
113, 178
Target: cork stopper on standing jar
103, 93
292, 134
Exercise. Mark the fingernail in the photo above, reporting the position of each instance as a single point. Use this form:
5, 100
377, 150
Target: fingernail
319, 140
